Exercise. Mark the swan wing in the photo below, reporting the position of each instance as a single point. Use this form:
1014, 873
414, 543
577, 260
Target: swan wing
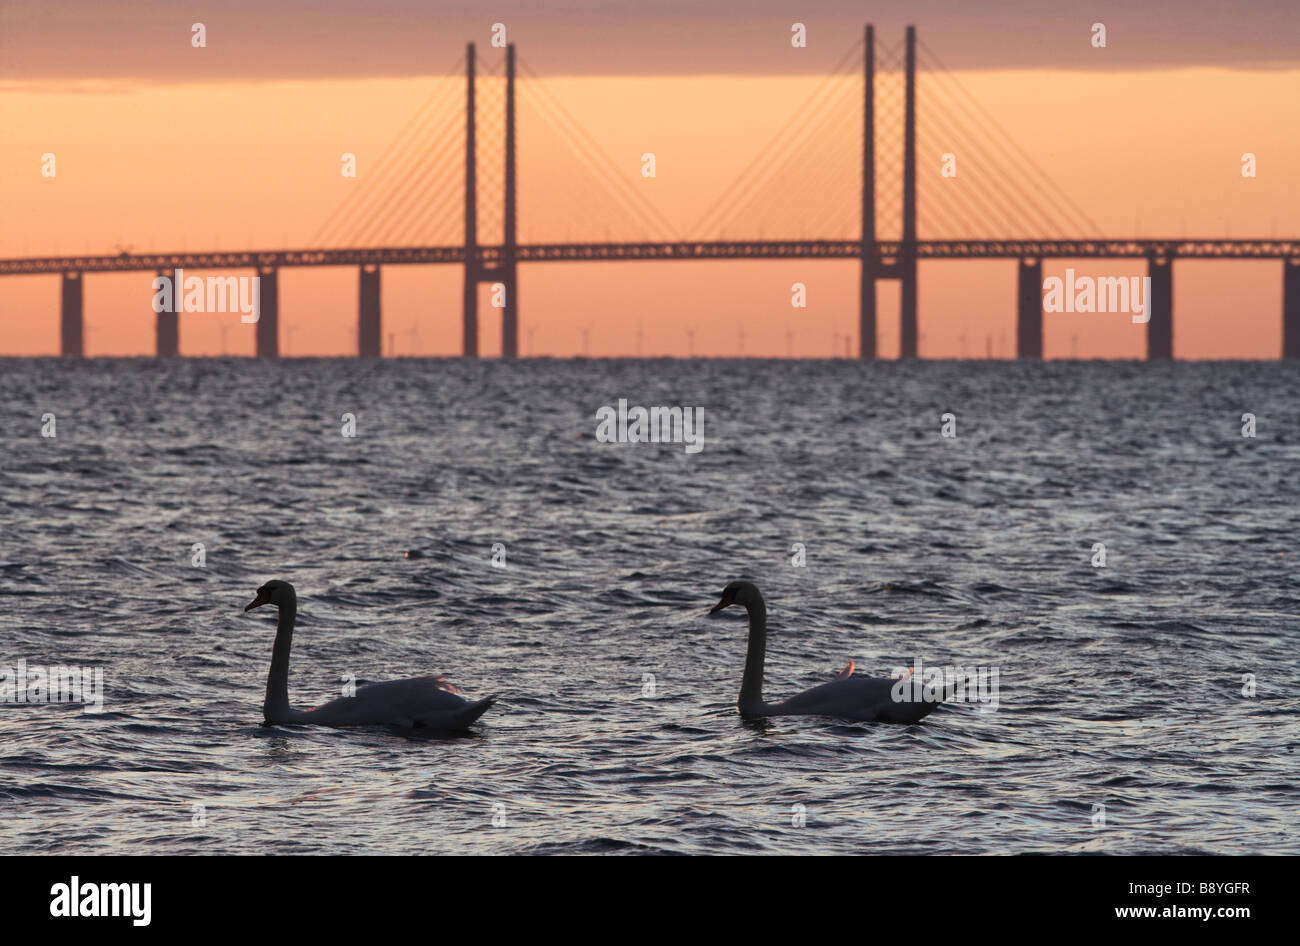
412, 697
862, 699
846, 672
405, 703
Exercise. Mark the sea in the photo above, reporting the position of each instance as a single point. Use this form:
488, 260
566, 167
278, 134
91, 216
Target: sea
1113, 545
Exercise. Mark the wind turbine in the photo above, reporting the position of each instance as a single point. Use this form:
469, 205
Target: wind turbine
413, 333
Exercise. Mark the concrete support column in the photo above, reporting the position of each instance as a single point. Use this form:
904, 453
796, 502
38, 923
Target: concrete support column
369, 322
1291, 308
1029, 309
268, 324
1160, 330
71, 323
167, 330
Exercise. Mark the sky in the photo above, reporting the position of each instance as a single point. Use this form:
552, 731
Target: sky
163, 146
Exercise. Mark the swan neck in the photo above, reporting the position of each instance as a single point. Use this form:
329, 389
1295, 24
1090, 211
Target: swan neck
276, 707
751, 685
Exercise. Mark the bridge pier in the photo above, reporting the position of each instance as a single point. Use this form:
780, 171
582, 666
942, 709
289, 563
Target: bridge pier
1160, 308
369, 322
71, 324
1291, 308
167, 329
1029, 309
268, 323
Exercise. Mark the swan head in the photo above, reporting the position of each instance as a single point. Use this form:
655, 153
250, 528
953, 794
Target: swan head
743, 593
276, 592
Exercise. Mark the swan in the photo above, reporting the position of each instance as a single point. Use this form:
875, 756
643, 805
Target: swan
861, 699
430, 702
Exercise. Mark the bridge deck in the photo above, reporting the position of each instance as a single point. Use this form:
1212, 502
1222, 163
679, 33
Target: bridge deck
887, 251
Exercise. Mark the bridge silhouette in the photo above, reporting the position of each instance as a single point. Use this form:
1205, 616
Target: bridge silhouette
397, 214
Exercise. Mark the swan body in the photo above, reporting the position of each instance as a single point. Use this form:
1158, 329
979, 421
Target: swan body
860, 699
429, 702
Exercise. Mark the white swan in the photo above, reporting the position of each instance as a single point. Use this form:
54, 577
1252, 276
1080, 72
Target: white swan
861, 699
429, 702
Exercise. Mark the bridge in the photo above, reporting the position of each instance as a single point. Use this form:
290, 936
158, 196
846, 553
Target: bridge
396, 218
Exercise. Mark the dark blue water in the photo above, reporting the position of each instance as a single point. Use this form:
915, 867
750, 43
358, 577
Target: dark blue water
1120, 687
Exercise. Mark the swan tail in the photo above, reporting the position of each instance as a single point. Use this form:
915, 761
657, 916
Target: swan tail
473, 711
914, 710
451, 720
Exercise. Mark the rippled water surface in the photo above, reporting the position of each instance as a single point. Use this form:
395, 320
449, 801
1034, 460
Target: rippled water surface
617, 730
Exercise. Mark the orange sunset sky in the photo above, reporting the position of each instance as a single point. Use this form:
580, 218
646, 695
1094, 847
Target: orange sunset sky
161, 146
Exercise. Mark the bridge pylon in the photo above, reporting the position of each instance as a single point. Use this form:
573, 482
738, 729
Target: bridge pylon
503, 271
903, 266
867, 273
907, 256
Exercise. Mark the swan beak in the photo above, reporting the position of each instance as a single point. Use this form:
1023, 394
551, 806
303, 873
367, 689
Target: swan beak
257, 602
726, 602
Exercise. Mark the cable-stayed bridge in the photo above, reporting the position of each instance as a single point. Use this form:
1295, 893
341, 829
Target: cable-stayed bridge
447, 192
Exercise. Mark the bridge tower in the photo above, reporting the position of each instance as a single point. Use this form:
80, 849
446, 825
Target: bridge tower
509, 274
504, 270
907, 256
469, 308
904, 267
867, 273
